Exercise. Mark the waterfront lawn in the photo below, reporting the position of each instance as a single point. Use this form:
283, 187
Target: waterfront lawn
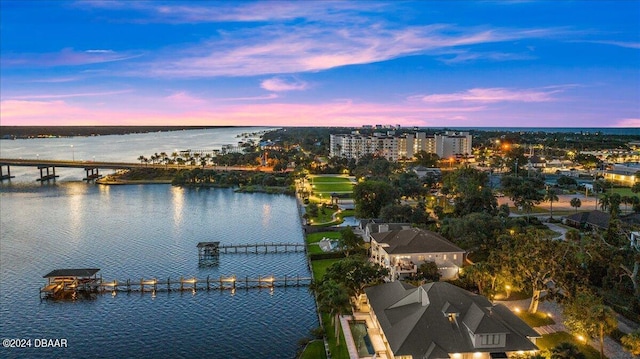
326, 217
320, 266
549, 341
337, 351
314, 350
317, 237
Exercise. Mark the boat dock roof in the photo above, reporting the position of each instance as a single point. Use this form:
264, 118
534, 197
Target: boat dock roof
75, 272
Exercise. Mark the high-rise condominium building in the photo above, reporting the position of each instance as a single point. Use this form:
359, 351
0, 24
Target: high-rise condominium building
407, 145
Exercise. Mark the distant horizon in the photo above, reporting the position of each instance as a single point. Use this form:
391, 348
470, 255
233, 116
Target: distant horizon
332, 63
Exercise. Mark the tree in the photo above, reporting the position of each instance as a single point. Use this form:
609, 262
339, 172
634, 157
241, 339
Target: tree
636, 187
428, 272
524, 192
355, 273
575, 203
470, 191
550, 196
535, 261
566, 350
614, 204
631, 342
585, 314
349, 241
426, 159
371, 196
333, 299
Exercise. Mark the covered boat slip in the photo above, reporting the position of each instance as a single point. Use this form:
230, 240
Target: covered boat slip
61, 282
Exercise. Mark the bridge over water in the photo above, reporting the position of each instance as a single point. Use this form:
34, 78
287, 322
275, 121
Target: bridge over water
48, 167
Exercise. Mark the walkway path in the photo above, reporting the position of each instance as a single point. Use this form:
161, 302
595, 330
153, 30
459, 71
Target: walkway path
612, 349
556, 228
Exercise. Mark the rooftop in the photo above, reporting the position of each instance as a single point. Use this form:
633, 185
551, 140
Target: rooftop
414, 321
414, 240
75, 272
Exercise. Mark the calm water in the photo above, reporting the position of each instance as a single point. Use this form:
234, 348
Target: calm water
147, 231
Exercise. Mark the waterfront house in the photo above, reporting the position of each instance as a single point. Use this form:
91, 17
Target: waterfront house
439, 320
402, 251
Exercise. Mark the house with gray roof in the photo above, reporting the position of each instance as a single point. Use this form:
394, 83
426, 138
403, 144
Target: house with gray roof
439, 320
402, 251
593, 219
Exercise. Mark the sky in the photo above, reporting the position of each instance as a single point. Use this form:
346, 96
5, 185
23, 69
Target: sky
507, 63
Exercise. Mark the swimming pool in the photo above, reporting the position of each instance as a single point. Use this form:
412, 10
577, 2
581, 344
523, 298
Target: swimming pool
361, 338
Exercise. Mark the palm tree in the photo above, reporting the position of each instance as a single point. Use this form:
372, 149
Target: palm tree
607, 322
604, 202
576, 203
333, 299
550, 196
141, 159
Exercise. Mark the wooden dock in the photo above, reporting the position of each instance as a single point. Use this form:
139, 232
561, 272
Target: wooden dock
208, 283
210, 250
70, 287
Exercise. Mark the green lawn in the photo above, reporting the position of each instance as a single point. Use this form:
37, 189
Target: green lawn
337, 351
536, 319
315, 179
328, 185
320, 266
316, 237
323, 218
624, 191
315, 350
549, 341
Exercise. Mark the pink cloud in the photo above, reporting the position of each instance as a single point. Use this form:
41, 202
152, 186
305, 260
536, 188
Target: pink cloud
331, 113
628, 122
69, 95
65, 57
303, 48
278, 84
496, 94
183, 98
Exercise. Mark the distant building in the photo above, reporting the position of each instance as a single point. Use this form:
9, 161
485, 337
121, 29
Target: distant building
623, 173
439, 320
402, 251
392, 147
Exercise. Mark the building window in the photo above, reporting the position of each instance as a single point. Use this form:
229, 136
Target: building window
444, 257
421, 258
455, 256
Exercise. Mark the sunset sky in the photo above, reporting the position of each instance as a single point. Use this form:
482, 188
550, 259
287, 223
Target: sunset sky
321, 63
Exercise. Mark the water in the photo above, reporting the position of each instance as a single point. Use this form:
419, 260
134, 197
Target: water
148, 231
114, 148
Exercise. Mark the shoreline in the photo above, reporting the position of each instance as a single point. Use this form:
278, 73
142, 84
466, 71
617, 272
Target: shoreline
116, 182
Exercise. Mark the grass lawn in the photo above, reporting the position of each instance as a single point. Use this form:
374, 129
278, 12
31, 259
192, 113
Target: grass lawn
320, 266
536, 320
315, 350
624, 191
316, 237
549, 341
316, 179
328, 185
323, 218
337, 351
332, 187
